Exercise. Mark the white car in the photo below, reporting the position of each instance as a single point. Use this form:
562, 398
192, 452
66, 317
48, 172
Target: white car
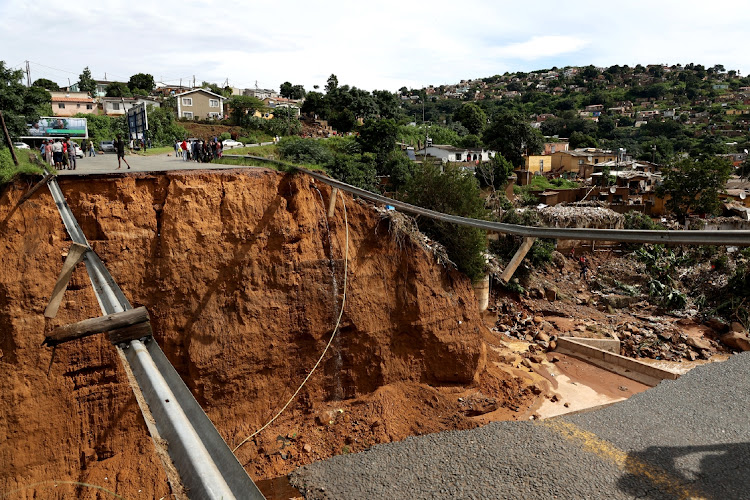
79, 151
21, 145
231, 144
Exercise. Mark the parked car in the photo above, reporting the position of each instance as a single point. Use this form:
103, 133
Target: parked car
21, 145
79, 151
231, 144
107, 146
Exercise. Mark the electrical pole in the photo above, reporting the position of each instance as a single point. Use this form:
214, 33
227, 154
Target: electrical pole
28, 74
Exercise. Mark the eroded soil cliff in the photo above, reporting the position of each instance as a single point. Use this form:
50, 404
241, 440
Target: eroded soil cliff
243, 275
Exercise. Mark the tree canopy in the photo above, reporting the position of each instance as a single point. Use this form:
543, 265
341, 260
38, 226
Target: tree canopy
142, 81
46, 84
86, 82
693, 185
20, 104
511, 136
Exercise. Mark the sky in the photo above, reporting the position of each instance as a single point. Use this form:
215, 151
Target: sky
375, 45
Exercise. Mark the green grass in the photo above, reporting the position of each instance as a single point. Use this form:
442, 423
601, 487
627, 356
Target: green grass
264, 151
9, 171
540, 182
155, 151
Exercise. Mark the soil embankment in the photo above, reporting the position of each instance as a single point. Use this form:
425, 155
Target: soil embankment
243, 276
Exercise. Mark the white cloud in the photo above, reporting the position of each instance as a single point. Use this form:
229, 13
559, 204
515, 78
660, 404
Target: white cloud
541, 47
371, 45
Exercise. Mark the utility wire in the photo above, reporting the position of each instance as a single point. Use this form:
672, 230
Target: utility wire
335, 330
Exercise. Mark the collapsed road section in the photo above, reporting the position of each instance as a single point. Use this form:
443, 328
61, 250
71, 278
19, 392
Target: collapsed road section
207, 467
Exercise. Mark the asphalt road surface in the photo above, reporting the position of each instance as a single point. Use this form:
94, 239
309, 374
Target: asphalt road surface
107, 163
683, 439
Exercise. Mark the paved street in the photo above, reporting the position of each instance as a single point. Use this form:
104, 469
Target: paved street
107, 163
683, 439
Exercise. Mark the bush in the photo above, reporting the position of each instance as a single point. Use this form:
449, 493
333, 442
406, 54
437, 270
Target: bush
452, 192
307, 151
224, 136
357, 170
639, 220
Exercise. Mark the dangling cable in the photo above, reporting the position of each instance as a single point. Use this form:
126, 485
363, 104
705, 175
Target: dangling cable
330, 341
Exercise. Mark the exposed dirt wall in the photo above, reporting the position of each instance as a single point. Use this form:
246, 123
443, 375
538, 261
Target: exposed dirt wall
243, 279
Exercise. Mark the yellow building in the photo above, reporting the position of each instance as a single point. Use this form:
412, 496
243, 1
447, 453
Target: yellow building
538, 164
577, 160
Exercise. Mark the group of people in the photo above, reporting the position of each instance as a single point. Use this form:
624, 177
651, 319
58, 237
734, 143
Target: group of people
59, 153
198, 151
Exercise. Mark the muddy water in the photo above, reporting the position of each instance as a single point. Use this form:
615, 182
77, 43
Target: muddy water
278, 488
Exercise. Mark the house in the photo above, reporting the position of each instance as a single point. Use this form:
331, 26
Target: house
282, 102
200, 104
261, 93
537, 164
553, 147
577, 160
114, 106
71, 103
452, 154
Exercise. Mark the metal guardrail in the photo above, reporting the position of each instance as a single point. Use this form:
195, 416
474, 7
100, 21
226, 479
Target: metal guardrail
694, 237
207, 467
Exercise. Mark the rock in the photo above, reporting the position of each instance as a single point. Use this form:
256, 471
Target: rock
566, 405
551, 294
698, 343
737, 327
736, 340
552, 345
326, 417
538, 358
717, 324
542, 337
619, 301
691, 355
555, 359
307, 448
526, 363
538, 319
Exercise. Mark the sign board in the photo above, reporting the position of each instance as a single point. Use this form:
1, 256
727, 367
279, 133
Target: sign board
137, 122
51, 126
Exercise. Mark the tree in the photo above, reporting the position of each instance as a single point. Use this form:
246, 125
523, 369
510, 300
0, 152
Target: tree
693, 185
118, 89
472, 117
454, 192
20, 104
332, 83
241, 106
378, 137
285, 90
46, 84
85, 82
142, 81
512, 137
315, 103
581, 140
495, 172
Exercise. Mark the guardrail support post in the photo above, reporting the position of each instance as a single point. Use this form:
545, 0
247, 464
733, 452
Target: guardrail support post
75, 255
517, 258
332, 202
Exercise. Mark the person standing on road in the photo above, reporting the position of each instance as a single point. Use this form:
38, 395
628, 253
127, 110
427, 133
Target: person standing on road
92, 150
177, 148
71, 153
120, 148
184, 147
48, 156
57, 154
